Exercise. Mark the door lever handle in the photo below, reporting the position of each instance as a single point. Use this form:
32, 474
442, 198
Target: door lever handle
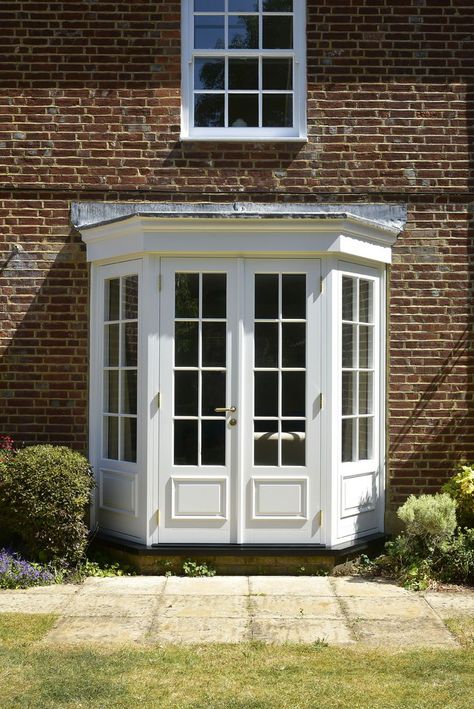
223, 410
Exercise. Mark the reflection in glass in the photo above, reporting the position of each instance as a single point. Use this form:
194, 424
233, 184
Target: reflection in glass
129, 439
111, 345
243, 5
266, 344
348, 452
213, 392
293, 297
208, 73
365, 346
365, 438
186, 393
214, 295
266, 393
365, 301
278, 5
266, 443
129, 392
293, 394
209, 32
348, 345
365, 392
213, 443
266, 295
277, 110
348, 391
111, 437
277, 32
186, 344
348, 298
293, 346
208, 110
293, 443
130, 344
187, 295
214, 344
209, 5
278, 73
112, 299
243, 74
130, 297
243, 32
111, 392
185, 442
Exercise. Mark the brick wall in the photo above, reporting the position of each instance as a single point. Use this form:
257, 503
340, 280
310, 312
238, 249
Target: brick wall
90, 109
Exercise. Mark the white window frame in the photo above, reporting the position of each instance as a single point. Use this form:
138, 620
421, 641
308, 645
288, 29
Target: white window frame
298, 132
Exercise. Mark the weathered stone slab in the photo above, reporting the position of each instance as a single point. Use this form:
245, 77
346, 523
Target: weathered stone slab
291, 585
141, 585
292, 606
403, 608
306, 631
22, 602
203, 606
106, 605
451, 605
98, 630
178, 631
356, 586
403, 633
204, 586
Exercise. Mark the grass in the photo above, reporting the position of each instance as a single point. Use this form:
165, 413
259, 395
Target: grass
224, 677
463, 629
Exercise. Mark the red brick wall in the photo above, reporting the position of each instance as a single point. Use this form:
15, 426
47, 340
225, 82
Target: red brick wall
90, 109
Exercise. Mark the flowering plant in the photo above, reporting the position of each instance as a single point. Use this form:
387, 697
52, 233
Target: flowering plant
16, 572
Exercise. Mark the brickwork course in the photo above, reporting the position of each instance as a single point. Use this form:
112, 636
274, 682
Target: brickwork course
90, 110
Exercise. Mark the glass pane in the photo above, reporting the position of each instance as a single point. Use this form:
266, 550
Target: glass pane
209, 5
243, 111
129, 392
365, 301
214, 295
348, 452
293, 345
111, 437
365, 346
265, 443
243, 5
130, 297
348, 393
243, 32
111, 392
277, 110
293, 299
111, 345
278, 5
365, 393
129, 439
266, 344
129, 344
112, 299
243, 74
214, 344
348, 345
187, 295
208, 110
186, 393
208, 73
213, 443
185, 442
278, 74
209, 32
213, 392
365, 438
348, 298
277, 32
293, 394
266, 295
293, 443
266, 393
186, 344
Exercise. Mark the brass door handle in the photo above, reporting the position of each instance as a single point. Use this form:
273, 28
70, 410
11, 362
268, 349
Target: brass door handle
223, 410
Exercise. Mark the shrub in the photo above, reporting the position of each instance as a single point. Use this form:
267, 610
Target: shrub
429, 519
45, 490
461, 488
18, 573
193, 568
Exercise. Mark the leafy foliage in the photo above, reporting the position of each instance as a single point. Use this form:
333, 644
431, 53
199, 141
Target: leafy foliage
429, 519
461, 488
15, 572
193, 568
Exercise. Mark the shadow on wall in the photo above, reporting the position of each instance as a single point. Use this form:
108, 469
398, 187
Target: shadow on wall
43, 385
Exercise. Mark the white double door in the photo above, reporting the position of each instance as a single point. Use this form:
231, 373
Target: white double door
239, 447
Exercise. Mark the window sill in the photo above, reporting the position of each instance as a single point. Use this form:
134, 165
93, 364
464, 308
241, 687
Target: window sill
243, 139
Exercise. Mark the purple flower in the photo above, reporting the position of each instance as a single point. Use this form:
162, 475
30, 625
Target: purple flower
16, 572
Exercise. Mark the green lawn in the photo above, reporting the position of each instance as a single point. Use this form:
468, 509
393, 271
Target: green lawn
225, 677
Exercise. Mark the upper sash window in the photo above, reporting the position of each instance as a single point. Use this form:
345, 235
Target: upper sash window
244, 69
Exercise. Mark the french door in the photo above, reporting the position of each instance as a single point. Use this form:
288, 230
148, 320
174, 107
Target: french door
239, 449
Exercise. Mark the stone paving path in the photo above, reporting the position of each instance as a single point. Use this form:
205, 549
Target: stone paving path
232, 609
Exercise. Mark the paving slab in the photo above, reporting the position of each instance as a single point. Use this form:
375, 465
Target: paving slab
355, 586
297, 630
403, 608
141, 585
93, 630
166, 631
451, 605
203, 606
26, 602
293, 606
403, 634
105, 605
207, 586
291, 585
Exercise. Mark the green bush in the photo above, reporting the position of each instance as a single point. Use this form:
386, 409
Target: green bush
44, 493
461, 488
429, 519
